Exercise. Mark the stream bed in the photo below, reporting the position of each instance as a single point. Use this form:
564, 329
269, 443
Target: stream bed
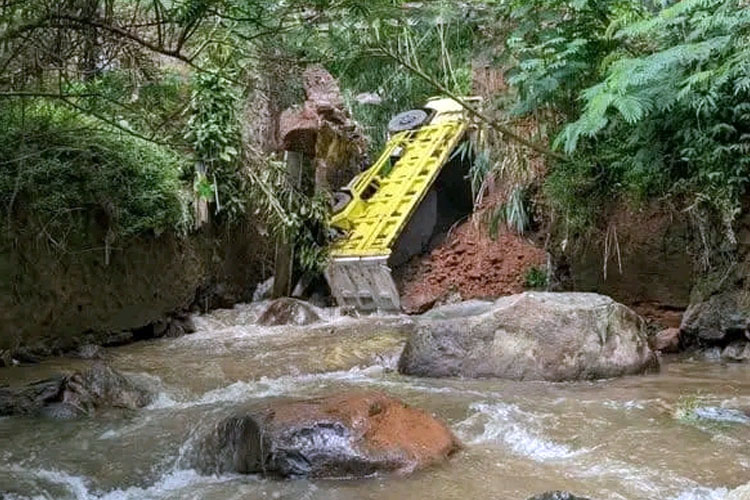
672, 435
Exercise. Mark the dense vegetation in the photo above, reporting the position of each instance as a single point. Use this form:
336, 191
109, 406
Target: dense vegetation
630, 100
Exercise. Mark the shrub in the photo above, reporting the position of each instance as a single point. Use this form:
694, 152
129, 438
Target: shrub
59, 170
535, 278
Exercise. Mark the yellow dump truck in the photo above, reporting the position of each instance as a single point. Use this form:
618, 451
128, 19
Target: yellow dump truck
388, 212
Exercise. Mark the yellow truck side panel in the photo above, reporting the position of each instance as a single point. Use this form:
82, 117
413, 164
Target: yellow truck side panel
385, 196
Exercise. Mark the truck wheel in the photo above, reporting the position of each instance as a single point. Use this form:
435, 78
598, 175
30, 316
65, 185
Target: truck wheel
408, 120
339, 201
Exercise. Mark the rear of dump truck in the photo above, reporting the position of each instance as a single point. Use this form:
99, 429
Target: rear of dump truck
382, 205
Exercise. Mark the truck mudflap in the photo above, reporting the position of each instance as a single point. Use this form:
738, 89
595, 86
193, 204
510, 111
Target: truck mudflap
364, 283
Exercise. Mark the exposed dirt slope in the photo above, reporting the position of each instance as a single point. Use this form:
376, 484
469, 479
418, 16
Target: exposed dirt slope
468, 264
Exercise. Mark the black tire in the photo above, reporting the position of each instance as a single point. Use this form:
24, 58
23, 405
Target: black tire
339, 201
408, 120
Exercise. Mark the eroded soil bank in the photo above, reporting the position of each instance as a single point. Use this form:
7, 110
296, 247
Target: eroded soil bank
53, 301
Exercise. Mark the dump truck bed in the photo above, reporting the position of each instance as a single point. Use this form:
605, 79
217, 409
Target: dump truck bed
384, 199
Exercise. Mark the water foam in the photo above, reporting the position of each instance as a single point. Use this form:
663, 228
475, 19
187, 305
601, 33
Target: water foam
501, 422
181, 481
702, 493
266, 387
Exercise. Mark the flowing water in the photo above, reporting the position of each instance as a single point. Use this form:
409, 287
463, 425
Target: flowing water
610, 439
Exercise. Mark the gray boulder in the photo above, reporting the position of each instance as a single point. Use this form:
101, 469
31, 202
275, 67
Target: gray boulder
102, 387
348, 435
715, 320
71, 396
531, 336
31, 398
288, 311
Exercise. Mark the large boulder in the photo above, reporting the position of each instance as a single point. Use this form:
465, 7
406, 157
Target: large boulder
717, 320
348, 435
530, 336
81, 393
288, 311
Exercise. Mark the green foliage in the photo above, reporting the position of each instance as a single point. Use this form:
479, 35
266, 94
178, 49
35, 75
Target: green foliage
535, 278
513, 212
558, 46
290, 214
311, 235
151, 102
671, 115
61, 173
214, 133
436, 34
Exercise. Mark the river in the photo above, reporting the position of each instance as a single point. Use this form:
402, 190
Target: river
609, 439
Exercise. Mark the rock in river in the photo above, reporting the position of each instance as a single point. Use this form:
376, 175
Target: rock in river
531, 336
348, 435
70, 396
557, 495
288, 311
716, 320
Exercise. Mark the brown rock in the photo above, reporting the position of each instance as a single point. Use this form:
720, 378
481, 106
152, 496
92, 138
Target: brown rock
323, 130
354, 434
667, 340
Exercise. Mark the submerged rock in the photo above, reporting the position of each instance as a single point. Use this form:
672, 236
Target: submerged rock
89, 351
532, 336
557, 495
348, 435
737, 351
288, 311
79, 394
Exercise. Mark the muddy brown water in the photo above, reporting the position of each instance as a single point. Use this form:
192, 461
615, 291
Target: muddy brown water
610, 439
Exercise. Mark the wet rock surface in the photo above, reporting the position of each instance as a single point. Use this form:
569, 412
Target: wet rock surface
82, 393
531, 336
288, 311
718, 319
557, 495
737, 351
31, 398
348, 435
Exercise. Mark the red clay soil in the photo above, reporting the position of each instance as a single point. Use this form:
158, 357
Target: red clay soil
468, 265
